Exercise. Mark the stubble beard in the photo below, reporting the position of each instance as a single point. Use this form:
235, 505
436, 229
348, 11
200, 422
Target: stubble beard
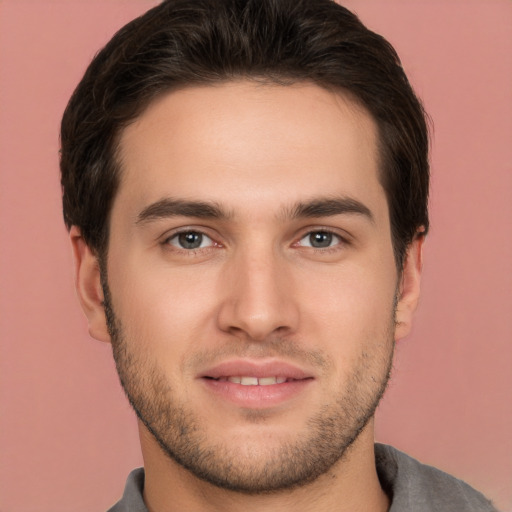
182, 435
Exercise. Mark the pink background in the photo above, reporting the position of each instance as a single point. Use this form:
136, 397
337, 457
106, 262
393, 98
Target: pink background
68, 437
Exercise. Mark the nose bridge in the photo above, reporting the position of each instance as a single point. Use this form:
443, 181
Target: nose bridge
258, 295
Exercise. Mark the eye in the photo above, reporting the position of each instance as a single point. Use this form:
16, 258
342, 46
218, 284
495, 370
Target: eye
190, 240
320, 240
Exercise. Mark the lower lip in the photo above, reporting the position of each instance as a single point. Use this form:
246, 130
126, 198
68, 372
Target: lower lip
257, 397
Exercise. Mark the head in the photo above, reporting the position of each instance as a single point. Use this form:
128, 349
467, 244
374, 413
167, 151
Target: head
179, 44
246, 187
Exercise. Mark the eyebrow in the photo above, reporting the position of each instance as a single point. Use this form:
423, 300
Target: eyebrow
320, 207
170, 207
329, 207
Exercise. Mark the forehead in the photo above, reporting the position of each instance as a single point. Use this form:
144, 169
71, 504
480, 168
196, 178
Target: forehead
250, 146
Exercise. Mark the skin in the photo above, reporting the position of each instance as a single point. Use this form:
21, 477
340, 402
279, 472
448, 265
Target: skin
255, 290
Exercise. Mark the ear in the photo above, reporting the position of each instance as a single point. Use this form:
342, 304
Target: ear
409, 289
88, 285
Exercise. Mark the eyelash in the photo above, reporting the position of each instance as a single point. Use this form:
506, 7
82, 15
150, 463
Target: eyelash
324, 250
190, 252
342, 241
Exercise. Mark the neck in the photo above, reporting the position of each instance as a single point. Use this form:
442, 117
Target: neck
350, 485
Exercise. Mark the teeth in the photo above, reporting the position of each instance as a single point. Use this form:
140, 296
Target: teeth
249, 381
254, 381
267, 381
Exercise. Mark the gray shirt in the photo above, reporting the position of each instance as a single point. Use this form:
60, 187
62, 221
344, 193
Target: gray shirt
410, 485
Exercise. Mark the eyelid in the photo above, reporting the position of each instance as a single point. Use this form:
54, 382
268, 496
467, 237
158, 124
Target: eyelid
176, 237
344, 238
307, 235
167, 237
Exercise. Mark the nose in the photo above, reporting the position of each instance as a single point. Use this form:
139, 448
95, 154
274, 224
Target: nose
259, 299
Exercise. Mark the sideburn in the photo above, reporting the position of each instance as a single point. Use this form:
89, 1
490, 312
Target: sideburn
113, 328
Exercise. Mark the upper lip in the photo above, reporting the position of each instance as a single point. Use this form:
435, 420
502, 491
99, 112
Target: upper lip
253, 368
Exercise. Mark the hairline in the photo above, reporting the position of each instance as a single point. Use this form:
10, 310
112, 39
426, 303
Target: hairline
270, 79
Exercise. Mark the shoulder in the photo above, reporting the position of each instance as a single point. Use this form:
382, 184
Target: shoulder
132, 500
416, 487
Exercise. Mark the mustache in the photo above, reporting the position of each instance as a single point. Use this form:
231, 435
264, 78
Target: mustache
272, 348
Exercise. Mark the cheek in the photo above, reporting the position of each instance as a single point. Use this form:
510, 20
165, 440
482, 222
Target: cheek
163, 311
171, 312
352, 308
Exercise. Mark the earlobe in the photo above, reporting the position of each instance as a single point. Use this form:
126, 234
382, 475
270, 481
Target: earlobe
88, 285
409, 290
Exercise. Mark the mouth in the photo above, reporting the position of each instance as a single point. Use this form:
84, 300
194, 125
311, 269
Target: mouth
256, 384
253, 381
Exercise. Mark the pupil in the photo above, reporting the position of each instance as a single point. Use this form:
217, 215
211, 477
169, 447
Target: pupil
320, 239
190, 240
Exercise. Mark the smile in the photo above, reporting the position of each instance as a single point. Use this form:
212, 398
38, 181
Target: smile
254, 381
256, 384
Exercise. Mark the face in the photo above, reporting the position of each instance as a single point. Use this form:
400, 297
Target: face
251, 280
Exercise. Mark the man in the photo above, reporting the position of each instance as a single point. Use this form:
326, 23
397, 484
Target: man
245, 184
